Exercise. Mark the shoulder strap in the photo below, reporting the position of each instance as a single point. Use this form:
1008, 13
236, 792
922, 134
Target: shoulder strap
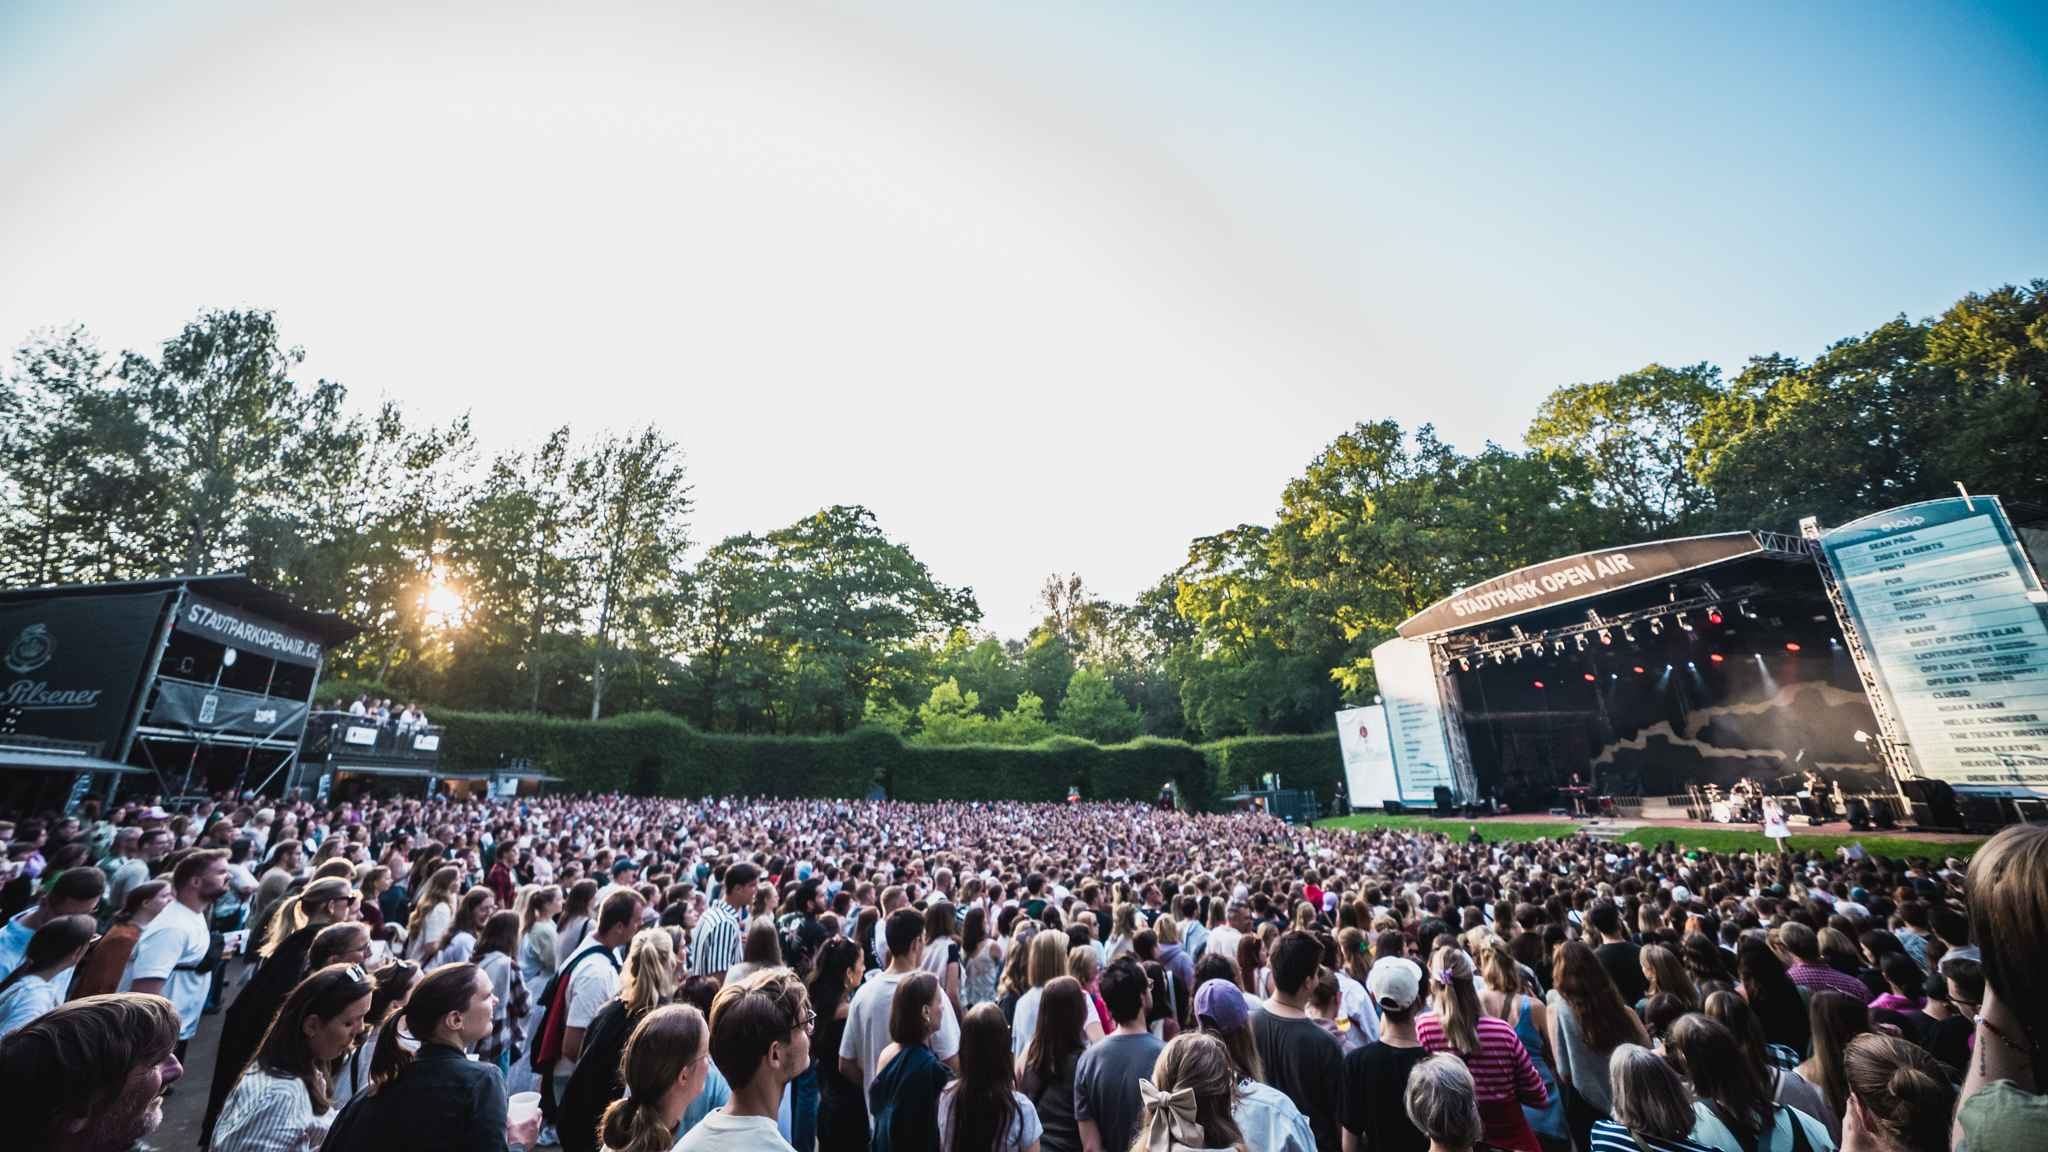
1799, 1141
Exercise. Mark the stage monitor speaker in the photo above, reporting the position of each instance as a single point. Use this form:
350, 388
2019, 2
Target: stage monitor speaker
1881, 813
1982, 813
1446, 805
1392, 807
1940, 799
1859, 813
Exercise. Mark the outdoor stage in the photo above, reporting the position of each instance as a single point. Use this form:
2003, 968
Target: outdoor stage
1892, 672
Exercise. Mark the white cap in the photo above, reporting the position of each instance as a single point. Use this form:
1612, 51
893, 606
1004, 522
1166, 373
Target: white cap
1394, 982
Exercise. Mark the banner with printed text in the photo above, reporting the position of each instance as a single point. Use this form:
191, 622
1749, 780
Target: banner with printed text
1956, 625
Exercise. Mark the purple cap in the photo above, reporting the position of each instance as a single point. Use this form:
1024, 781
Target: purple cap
1221, 1004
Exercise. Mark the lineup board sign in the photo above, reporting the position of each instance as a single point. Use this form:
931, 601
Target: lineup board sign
1955, 622
1415, 721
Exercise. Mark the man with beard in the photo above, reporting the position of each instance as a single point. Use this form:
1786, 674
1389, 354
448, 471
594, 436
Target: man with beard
174, 957
89, 1076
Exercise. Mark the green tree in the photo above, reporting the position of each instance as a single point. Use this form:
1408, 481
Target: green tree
1634, 434
950, 716
632, 517
515, 554
1022, 723
229, 423
850, 608
1093, 709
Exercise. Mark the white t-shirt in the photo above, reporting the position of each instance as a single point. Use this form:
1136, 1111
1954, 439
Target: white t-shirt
593, 985
30, 997
1025, 1128
1025, 1025
1222, 942
176, 937
867, 1027
721, 1131
435, 926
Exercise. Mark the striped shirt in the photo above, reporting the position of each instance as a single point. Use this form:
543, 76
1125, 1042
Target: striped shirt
269, 1113
717, 945
1611, 1137
1502, 1070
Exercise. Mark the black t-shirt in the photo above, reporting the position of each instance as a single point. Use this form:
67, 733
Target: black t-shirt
1375, 1097
1624, 963
1307, 1064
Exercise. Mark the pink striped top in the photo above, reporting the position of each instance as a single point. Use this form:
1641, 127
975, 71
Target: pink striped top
1502, 1070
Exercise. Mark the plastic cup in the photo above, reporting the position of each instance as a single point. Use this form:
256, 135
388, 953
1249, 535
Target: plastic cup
522, 1107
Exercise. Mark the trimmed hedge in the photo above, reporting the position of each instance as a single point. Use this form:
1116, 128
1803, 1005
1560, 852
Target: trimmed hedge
1312, 762
656, 753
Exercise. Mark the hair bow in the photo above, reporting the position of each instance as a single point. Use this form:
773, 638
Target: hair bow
1447, 977
1171, 1117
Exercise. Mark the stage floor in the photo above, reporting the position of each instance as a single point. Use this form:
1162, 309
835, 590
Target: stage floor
1621, 825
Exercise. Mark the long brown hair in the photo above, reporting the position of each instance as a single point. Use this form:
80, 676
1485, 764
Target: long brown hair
984, 1103
1603, 1018
468, 918
1738, 1091
1062, 1031
2009, 920
1667, 973
661, 1049
1836, 1019
440, 889
446, 989
285, 1051
1457, 1002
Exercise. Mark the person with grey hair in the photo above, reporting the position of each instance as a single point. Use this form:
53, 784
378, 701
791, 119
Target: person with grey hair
1444, 1103
1652, 1107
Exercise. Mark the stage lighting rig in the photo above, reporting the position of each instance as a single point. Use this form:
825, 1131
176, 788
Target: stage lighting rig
1684, 623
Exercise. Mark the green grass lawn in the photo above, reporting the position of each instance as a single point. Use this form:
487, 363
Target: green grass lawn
1705, 839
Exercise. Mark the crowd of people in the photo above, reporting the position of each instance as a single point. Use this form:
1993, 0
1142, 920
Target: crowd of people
641, 974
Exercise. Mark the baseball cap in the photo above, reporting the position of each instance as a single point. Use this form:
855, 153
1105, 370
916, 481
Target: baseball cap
1221, 1003
1395, 982
624, 863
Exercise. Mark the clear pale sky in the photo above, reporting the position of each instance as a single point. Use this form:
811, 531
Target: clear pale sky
1049, 287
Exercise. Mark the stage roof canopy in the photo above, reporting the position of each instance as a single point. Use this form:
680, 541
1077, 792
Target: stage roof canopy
231, 588
1581, 577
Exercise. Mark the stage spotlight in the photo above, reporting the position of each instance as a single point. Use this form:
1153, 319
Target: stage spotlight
1464, 665
1715, 657
1684, 623
1834, 643
1590, 678
1628, 633
1614, 675
1656, 629
1516, 653
1606, 637
1743, 607
1537, 683
1498, 659
1639, 669
1791, 646
1557, 648
1690, 664
1713, 616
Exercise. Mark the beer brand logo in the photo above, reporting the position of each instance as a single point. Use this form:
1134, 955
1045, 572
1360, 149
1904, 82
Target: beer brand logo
31, 649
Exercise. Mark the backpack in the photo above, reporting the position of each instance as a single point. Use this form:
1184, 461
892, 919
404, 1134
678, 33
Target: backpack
547, 1046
